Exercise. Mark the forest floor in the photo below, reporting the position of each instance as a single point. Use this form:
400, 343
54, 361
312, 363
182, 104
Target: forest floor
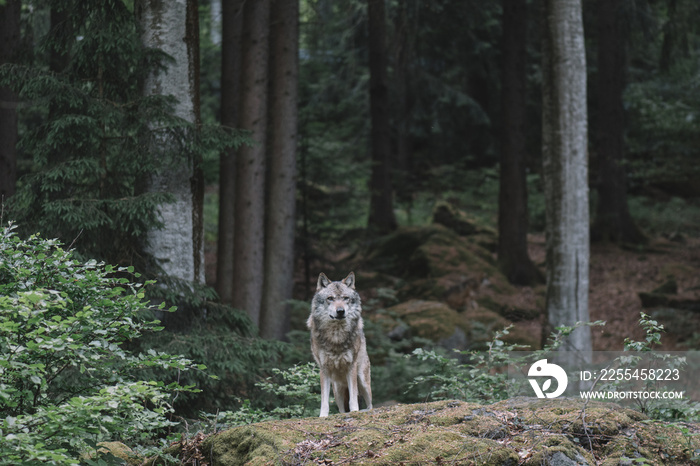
618, 275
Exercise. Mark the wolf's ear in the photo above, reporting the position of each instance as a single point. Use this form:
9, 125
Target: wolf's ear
323, 281
350, 280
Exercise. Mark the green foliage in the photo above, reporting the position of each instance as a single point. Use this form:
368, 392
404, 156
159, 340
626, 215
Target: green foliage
226, 341
652, 329
667, 217
333, 162
67, 379
481, 376
92, 140
480, 379
297, 390
683, 409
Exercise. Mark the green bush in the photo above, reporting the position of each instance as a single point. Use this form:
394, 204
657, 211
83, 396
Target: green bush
67, 380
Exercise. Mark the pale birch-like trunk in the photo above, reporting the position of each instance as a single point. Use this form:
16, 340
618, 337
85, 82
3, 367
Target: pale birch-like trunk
177, 248
281, 182
565, 170
249, 236
215, 13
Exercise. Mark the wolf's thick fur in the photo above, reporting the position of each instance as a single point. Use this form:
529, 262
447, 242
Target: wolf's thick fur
338, 344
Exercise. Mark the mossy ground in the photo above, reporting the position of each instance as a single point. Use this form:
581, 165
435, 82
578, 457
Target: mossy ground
520, 431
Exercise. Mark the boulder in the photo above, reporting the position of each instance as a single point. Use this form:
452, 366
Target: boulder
526, 431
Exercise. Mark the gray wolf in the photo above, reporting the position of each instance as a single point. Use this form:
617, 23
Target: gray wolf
338, 344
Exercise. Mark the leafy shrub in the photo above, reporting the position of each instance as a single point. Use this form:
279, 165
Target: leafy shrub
481, 376
298, 389
297, 394
481, 379
67, 380
679, 409
226, 340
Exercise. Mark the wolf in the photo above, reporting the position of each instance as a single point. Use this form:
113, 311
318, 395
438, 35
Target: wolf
338, 344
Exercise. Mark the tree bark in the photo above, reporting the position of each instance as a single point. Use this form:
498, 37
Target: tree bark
231, 25
613, 221
381, 209
281, 183
565, 170
513, 259
177, 248
405, 38
670, 37
249, 238
9, 44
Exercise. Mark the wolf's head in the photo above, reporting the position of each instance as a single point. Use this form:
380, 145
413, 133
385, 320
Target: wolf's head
339, 299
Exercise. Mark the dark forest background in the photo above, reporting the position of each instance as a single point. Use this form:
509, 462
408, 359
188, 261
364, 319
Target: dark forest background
402, 139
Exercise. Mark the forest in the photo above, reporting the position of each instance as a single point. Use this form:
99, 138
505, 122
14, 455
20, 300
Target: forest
174, 176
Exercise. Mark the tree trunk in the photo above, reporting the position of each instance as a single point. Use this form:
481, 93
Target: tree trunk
565, 171
231, 25
405, 38
177, 248
613, 221
9, 44
513, 259
670, 37
381, 208
216, 16
249, 237
281, 183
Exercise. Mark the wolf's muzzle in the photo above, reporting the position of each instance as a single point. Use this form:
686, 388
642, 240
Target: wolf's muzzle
339, 314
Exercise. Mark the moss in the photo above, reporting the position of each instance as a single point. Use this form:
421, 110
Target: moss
427, 319
121, 451
553, 450
516, 431
242, 445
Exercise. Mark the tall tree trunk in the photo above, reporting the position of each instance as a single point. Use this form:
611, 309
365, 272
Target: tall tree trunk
9, 44
231, 25
281, 182
249, 237
177, 248
513, 259
670, 36
613, 221
403, 57
381, 208
565, 170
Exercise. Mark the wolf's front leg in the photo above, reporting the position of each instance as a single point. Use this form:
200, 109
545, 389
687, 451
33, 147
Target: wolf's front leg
325, 393
352, 389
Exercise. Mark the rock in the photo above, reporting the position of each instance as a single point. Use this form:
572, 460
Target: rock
448, 215
653, 300
650, 300
119, 450
560, 459
668, 287
427, 319
526, 431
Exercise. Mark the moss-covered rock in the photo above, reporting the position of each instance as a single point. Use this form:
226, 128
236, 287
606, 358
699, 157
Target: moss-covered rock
435, 263
518, 431
118, 450
427, 319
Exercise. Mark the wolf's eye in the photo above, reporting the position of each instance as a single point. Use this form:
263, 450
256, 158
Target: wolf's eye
329, 299
346, 298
